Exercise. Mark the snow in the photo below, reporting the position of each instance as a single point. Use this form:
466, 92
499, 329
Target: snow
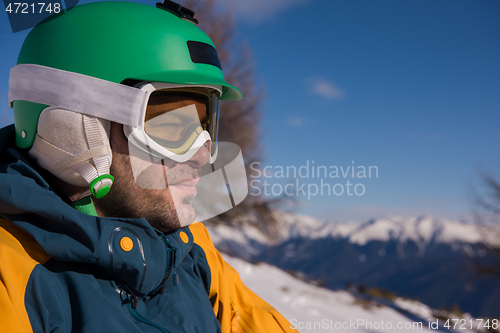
425, 232
453, 231
379, 230
296, 225
306, 305
344, 229
421, 230
425, 228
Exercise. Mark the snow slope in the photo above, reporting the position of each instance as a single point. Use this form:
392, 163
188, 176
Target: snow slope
306, 305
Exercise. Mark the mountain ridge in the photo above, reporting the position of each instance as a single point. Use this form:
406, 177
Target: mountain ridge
418, 257
422, 230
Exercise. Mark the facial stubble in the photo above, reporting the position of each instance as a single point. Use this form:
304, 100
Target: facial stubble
127, 200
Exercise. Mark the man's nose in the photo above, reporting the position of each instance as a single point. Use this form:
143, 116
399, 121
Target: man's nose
201, 157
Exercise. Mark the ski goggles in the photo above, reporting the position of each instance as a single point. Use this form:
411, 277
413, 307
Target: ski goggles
176, 121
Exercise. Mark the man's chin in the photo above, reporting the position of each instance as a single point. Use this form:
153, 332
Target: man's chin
183, 203
186, 214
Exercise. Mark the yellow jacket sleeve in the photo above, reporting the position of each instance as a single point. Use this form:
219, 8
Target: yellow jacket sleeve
19, 254
237, 308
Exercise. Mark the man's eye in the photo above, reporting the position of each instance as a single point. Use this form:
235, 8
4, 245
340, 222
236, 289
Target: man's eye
172, 127
165, 120
204, 124
166, 124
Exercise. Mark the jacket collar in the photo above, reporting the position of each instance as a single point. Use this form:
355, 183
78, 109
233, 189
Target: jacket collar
130, 251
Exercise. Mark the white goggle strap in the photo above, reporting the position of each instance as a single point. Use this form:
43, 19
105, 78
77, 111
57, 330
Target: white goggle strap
76, 92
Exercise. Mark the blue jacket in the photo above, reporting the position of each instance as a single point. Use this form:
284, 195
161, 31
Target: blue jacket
65, 271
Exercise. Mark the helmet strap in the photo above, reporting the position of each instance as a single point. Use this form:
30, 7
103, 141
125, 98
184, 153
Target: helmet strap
100, 185
85, 206
74, 148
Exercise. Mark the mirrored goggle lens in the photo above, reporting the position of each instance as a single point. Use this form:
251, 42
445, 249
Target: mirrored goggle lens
175, 119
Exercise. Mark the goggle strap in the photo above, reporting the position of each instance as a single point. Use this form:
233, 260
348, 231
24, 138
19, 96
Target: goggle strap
76, 92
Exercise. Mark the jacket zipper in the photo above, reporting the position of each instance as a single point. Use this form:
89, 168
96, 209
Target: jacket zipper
171, 257
138, 317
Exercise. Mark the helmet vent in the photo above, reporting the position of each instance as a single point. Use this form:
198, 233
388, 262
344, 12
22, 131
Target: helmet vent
203, 53
177, 10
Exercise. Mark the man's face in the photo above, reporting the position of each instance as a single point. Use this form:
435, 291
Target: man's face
163, 192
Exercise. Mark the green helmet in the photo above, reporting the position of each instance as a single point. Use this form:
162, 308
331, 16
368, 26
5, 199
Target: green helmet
118, 41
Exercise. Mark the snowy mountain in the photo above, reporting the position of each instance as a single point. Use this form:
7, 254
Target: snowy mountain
432, 260
311, 308
421, 231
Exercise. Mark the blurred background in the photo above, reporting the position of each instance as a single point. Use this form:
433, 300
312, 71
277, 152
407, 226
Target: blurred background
370, 134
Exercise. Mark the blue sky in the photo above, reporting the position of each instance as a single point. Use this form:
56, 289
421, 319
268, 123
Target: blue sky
412, 87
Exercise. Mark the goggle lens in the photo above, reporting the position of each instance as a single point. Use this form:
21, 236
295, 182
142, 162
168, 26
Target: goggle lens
175, 119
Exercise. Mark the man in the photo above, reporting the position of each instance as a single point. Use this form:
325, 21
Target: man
116, 113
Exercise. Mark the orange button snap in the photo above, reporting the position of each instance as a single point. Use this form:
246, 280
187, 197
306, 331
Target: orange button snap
126, 244
184, 237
